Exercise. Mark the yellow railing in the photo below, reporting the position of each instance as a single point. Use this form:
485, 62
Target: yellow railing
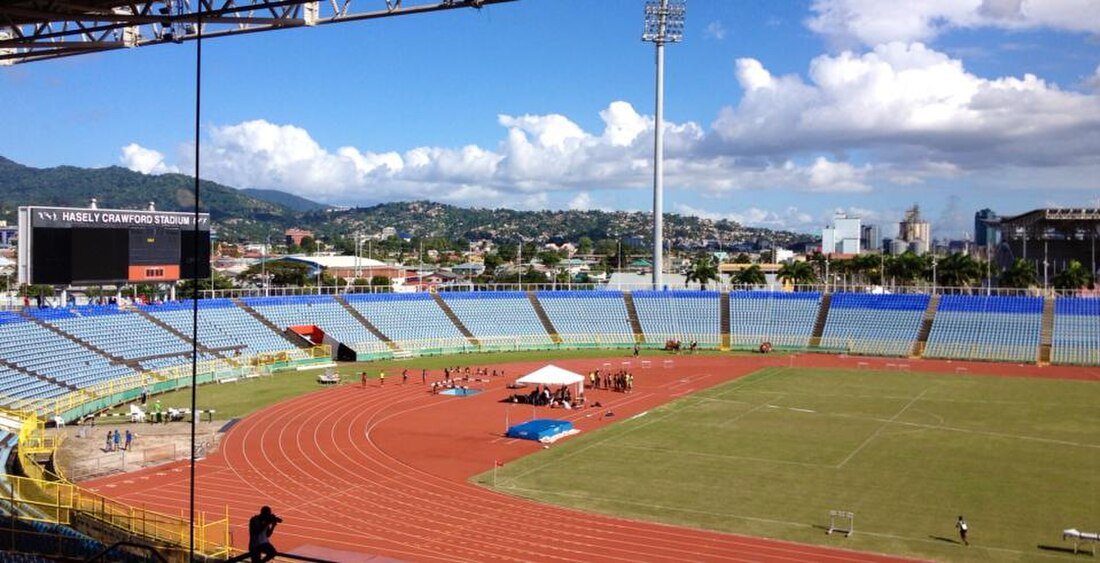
57, 500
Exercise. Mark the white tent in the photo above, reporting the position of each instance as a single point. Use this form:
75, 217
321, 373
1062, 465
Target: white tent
553, 375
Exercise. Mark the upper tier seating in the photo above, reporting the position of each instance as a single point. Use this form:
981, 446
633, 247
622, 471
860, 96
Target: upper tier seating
582, 317
980, 327
319, 310
39, 350
222, 324
684, 315
879, 325
499, 318
413, 320
781, 318
1076, 338
124, 334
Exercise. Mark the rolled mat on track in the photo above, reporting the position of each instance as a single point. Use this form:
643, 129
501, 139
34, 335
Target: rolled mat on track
541, 429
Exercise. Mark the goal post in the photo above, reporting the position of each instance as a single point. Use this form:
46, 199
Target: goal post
841, 522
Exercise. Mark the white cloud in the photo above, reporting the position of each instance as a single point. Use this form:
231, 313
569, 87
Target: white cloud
873, 22
826, 176
898, 116
790, 218
715, 30
1094, 80
914, 105
146, 161
582, 202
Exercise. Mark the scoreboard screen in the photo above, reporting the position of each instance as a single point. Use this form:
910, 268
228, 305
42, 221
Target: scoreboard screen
63, 246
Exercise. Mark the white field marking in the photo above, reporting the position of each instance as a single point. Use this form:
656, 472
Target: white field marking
862, 530
971, 431
774, 407
641, 425
936, 399
713, 400
719, 456
639, 415
880, 429
746, 413
796, 409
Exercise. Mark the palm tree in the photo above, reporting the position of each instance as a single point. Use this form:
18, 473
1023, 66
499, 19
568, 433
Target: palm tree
752, 275
906, 267
1075, 276
797, 273
958, 270
1020, 274
703, 270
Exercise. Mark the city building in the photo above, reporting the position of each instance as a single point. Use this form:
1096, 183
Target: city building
1049, 239
843, 237
870, 237
914, 231
7, 233
294, 236
987, 232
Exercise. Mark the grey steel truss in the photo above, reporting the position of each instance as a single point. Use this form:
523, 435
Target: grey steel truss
32, 30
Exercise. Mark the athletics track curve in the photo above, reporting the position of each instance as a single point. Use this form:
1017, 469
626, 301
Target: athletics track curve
380, 473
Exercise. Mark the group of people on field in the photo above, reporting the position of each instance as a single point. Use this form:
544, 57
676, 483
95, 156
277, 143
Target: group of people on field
621, 381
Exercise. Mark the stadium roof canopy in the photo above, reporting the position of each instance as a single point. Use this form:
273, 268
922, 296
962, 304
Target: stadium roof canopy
1061, 219
32, 30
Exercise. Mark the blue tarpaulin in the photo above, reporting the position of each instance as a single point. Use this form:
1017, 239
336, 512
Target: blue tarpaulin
540, 429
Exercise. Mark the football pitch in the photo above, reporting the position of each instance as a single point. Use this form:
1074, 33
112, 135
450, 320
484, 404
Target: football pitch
772, 453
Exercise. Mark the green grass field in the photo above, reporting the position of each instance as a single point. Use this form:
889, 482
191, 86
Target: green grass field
233, 400
770, 454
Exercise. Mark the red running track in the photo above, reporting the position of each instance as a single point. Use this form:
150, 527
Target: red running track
380, 473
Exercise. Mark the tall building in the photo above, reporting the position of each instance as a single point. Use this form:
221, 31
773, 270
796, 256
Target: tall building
871, 237
987, 231
913, 229
843, 237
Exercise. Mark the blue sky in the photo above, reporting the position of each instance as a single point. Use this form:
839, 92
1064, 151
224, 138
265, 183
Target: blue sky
778, 114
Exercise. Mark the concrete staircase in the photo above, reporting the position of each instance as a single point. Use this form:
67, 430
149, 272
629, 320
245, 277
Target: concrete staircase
1046, 332
724, 320
263, 320
926, 326
632, 316
454, 319
544, 318
819, 323
172, 330
36, 375
366, 324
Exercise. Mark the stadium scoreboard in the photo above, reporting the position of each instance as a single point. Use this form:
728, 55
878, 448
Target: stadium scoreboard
73, 246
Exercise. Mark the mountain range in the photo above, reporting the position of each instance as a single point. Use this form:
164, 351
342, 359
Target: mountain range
253, 214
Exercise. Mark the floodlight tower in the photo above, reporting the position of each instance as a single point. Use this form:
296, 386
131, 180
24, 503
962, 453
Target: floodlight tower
664, 23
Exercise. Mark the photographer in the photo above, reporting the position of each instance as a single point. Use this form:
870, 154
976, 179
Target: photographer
260, 528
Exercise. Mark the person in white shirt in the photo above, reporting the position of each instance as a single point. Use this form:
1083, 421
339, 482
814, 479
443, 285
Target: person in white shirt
961, 525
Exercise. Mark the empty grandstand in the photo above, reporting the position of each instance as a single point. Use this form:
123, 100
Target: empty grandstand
781, 318
1076, 338
878, 325
499, 319
588, 317
684, 315
986, 328
321, 311
412, 320
60, 359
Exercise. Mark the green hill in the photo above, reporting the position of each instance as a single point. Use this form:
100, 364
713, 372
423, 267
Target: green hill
236, 214
250, 215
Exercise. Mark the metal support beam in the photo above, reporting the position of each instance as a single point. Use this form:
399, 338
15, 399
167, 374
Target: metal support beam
34, 30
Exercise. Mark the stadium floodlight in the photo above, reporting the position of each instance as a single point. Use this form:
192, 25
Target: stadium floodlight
664, 23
